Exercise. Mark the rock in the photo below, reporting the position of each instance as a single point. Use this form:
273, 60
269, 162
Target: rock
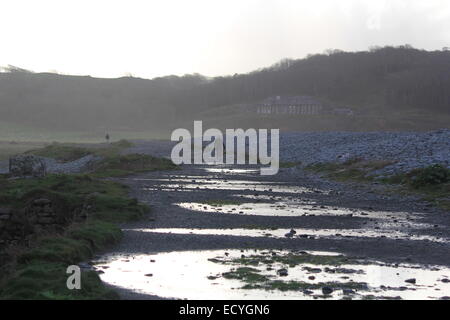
308, 292
348, 291
151, 275
46, 220
5, 211
4, 217
42, 202
327, 290
289, 235
27, 165
412, 281
445, 280
282, 272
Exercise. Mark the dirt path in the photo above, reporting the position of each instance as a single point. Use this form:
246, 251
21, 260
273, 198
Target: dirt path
252, 211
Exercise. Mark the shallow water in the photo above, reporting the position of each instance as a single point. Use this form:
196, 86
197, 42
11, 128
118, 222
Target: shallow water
191, 275
290, 209
300, 233
232, 171
183, 183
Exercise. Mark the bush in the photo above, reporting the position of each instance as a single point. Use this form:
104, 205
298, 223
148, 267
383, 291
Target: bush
432, 175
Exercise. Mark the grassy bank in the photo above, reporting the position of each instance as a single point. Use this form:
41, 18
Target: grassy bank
38, 271
111, 163
431, 183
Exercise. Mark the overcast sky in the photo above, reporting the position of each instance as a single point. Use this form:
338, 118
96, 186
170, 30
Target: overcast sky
151, 38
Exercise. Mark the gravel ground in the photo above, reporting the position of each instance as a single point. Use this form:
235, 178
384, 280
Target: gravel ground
162, 191
409, 150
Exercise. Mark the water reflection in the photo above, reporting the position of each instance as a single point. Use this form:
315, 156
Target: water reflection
200, 275
300, 233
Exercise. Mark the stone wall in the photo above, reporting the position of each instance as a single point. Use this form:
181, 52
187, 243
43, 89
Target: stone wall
39, 216
27, 165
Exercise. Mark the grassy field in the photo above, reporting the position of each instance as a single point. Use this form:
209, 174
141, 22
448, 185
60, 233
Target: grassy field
111, 164
12, 132
8, 149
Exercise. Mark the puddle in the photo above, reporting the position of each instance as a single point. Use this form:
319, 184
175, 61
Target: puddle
232, 171
179, 183
252, 274
291, 209
301, 233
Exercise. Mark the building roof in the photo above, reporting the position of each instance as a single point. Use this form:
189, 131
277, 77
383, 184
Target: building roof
290, 100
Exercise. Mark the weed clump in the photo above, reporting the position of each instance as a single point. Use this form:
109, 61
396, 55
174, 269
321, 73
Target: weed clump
429, 176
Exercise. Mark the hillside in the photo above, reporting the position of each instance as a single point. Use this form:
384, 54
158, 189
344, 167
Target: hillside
382, 83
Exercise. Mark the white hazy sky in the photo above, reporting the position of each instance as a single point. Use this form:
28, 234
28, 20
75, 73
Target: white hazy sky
159, 37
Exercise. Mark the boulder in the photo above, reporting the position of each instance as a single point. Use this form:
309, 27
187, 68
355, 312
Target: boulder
27, 165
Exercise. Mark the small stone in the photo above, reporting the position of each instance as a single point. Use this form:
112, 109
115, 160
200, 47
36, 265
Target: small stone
282, 272
151, 275
327, 290
412, 281
41, 202
348, 291
289, 235
5, 211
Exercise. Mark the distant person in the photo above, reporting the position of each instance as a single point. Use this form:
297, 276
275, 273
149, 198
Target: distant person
107, 138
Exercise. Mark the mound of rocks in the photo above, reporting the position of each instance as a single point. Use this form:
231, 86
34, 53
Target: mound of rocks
408, 150
27, 165
38, 215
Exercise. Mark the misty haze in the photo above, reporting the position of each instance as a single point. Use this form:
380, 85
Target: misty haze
136, 140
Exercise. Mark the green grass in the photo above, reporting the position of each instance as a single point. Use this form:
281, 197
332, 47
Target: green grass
63, 153
122, 165
112, 162
289, 259
287, 165
254, 278
71, 152
300, 285
24, 132
248, 275
432, 183
39, 272
293, 260
352, 170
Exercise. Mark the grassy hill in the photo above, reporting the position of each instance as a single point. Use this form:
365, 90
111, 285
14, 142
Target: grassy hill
391, 88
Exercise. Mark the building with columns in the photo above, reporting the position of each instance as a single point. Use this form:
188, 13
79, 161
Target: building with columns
290, 105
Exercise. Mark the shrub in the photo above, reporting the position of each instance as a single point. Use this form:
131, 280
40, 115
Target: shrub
432, 175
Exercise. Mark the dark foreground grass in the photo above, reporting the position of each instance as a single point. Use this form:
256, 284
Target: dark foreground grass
39, 272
